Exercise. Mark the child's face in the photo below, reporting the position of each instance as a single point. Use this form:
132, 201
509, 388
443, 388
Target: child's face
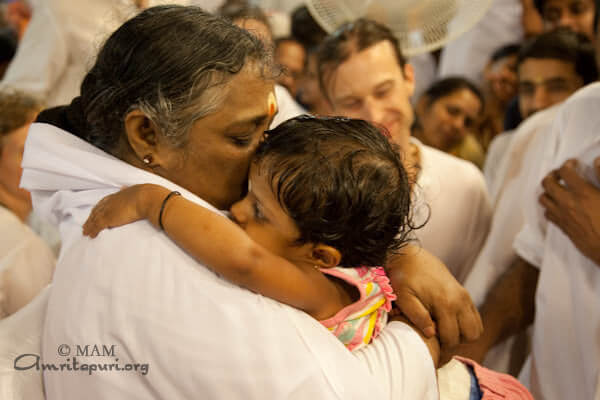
266, 222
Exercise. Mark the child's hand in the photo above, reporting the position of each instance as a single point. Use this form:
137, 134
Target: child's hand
124, 207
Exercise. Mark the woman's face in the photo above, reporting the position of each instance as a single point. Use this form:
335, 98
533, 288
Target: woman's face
449, 119
214, 162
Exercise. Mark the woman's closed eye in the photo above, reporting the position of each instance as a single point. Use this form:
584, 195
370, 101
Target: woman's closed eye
242, 140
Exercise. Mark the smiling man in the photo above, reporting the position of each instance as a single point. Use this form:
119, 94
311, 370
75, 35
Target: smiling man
364, 75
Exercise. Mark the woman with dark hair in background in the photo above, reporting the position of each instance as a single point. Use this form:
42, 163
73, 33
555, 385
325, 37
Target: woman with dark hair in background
447, 118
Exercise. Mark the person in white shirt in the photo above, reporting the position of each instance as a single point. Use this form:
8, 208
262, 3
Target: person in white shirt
552, 283
26, 261
59, 44
564, 362
550, 68
190, 126
364, 75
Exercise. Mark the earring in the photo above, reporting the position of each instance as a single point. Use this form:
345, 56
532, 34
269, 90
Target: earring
147, 159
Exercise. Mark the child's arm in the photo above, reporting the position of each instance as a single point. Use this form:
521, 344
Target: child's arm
219, 244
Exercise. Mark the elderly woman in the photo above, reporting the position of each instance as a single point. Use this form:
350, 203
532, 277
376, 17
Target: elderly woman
181, 98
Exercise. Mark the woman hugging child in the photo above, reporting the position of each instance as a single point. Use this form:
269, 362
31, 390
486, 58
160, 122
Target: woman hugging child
328, 201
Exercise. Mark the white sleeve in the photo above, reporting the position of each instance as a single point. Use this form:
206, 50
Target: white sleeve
401, 364
41, 56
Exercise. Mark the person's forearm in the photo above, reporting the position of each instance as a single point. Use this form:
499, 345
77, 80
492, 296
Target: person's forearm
226, 248
210, 238
508, 309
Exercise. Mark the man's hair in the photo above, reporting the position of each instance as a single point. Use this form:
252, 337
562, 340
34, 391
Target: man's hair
539, 4
343, 184
16, 110
8, 44
305, 29
447, 86
563, 45
349, 39
505, 51
170, 62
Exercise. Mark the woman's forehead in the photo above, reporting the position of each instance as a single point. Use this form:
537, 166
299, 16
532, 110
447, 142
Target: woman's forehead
248, 96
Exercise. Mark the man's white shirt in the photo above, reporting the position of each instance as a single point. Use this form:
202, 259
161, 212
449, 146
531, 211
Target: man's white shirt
565, 356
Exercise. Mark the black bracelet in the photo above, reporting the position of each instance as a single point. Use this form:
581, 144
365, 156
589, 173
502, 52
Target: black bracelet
162, 207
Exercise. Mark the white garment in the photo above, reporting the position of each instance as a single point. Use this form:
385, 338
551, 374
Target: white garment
513, 173
60, 44
565, 359
454, 381
288, 107
452, 191
201, 336
21, 334
497, 254
26, 263
468, 55
493, 158
48, 232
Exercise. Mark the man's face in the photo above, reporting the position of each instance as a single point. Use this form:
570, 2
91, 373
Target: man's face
371, 85
11, 156
291, 55
577, 15
544, 82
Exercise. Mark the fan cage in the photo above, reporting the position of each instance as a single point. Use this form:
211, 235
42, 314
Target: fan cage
420, 25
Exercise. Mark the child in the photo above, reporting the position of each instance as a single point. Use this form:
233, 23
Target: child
328, 200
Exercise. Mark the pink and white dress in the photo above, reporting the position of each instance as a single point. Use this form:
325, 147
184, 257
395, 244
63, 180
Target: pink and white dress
357, 324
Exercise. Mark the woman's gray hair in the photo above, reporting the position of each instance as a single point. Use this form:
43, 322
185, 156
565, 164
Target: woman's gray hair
171, 63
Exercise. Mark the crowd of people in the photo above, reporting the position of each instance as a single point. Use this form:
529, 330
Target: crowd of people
252, 207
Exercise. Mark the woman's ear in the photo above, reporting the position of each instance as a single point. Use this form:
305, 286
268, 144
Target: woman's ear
325, 256
142, 136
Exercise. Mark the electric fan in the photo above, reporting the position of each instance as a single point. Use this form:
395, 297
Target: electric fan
420, 25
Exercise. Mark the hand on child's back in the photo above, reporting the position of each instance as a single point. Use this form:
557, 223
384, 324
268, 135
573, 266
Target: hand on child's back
128, 205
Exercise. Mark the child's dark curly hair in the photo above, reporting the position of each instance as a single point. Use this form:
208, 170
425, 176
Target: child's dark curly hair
343, 184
